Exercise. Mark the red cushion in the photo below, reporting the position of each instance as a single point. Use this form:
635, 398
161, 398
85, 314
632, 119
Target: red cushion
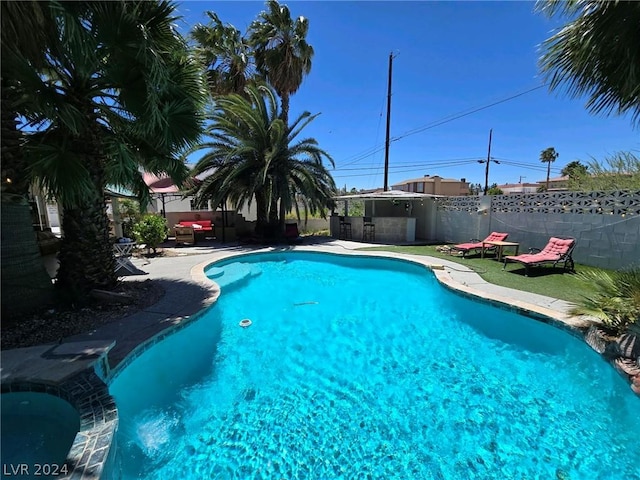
555, 250
496, 237
204, 224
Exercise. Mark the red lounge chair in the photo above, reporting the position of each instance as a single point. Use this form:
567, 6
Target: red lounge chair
291, 233
557, 250
476, 244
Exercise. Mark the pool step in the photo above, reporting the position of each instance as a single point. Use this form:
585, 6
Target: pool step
233, 274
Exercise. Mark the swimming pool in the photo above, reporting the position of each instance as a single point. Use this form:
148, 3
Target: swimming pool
361, 367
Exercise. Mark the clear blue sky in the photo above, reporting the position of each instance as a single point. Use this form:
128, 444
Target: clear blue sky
451, 58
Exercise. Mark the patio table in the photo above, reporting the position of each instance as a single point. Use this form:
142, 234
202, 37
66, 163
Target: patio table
500, 247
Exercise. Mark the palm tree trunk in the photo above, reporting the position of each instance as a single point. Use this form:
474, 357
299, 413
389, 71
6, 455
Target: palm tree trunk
26, 285
261, 215
86, 254
282, 219
284, 115
548, 173
273, 211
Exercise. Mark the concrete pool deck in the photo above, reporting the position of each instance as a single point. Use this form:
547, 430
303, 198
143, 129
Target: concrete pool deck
67, 369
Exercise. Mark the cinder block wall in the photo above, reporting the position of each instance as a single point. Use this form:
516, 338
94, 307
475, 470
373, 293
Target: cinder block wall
606, 225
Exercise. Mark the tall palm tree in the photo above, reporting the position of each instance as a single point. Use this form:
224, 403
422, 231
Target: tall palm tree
226, 56
298, 172
253, 155
548, 156
118, 92
282, 53
596, 53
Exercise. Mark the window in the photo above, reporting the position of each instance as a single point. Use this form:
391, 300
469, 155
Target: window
420, 187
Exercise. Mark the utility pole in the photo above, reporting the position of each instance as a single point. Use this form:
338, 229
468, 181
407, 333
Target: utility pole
521, 177
386, 145
486, 172
488, 161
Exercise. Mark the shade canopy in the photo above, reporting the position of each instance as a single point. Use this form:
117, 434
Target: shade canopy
162, 184
114, 191
388, 195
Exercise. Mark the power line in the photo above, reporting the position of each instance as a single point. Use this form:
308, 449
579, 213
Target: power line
461, 115
455, 162
449, 118
395, 171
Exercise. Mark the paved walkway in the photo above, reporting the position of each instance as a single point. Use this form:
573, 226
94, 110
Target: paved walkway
188, 291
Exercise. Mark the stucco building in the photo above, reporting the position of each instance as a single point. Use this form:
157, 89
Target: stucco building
434, 185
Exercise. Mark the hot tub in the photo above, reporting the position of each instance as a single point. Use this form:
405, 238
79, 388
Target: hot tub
38, 430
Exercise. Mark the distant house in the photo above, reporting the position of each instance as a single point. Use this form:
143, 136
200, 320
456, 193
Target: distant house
556, 184
434, 185
510, 188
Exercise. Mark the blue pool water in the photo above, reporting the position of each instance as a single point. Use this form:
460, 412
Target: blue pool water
37, 432
365, 368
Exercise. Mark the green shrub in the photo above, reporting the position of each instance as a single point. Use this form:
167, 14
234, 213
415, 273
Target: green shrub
151, 230
615, 301
129, 214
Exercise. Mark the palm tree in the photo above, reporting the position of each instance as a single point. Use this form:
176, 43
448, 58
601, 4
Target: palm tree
118, 93
596, 53
254, 156
226, 56
548, 156
616, 298
282, 53
26, 285
299, 174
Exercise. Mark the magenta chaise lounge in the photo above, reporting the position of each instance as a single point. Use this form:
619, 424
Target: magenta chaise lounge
558, 250
476, 244
291, 233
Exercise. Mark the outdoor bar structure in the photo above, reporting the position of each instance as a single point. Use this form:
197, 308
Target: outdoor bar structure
397, 217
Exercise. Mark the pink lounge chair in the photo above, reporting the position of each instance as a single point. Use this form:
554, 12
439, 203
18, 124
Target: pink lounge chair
557, 250
291, 233
476, 244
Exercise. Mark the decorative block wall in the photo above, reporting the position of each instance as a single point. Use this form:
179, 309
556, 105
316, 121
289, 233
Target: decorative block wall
606, 225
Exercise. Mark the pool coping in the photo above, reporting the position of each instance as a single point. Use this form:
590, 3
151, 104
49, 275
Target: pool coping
89, 394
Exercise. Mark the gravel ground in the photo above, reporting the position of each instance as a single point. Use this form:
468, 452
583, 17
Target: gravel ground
53, 324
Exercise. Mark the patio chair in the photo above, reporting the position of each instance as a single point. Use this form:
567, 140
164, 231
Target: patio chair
476, 244
291, 234
558, 250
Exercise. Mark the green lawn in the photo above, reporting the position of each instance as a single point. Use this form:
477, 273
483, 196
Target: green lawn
544, 280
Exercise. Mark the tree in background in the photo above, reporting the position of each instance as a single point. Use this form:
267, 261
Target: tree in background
576, 172
595, 54
283, 58
475, 189
282, 53
130, 213
225, 55
494, 190
575, 169
548, 156
255, 156
276, 46
619, 171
